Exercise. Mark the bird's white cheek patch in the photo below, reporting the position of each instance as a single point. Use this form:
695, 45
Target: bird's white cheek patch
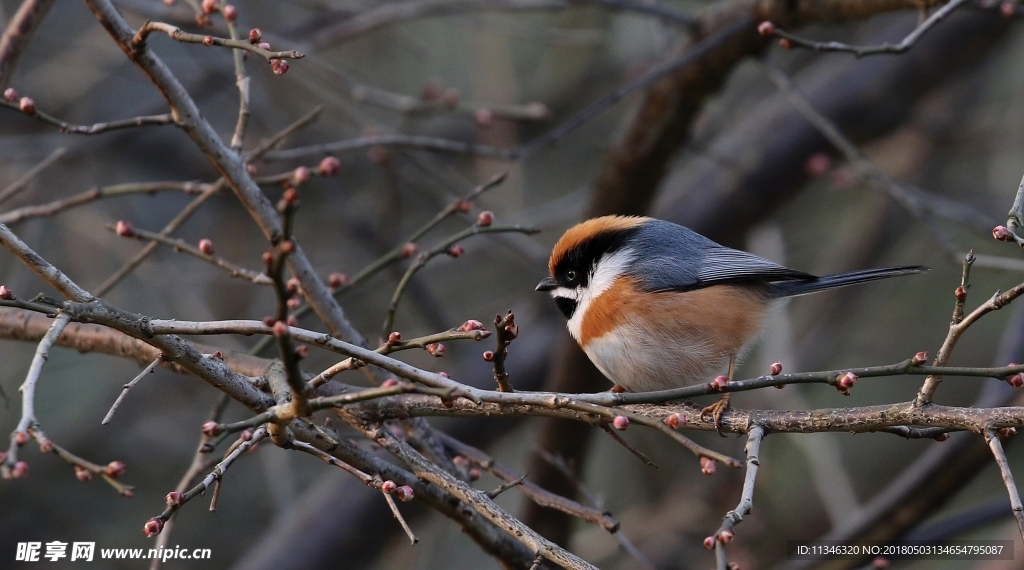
607, 270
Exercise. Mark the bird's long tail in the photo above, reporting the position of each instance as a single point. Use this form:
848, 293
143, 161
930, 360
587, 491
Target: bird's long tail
794, 288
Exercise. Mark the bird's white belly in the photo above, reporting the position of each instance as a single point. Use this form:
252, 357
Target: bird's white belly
645, 362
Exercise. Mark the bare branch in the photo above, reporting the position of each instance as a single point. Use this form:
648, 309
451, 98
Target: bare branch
20, 184
992, 437
176, 34
145, 372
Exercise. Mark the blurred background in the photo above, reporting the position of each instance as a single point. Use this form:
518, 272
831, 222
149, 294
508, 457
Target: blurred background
945, 121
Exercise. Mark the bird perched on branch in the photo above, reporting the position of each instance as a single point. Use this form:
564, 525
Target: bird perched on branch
656, 305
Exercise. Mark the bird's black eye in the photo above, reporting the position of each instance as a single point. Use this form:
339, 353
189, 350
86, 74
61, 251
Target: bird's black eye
570, 274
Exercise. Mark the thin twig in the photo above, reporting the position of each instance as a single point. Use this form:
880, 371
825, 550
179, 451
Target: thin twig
20, 184
57, 206
128, 386
96, 128
18, 33
992, 438
746, 504
176, 34
886, 48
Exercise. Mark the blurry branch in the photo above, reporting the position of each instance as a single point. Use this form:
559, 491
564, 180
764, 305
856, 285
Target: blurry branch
180, 245
57, 206
393, 12
861, 51
397, 140
208, 191
138, 42
20, 184
18, 34
992, 437
27, 107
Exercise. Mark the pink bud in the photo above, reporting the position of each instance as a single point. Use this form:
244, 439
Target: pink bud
20, 470
725, 537
206, 246
846, 381
443, 374
208, 41
230, 13
766, 29
620, 422
1015, 380
209, 6
672, 420
82, 474
436, 349
1002, 234
21, 437
6, 294
817, 164
456, 251
409, 249
173, 499
246, 435
775, 369
389, 383
394, 337
264, 46
471, 325
279, 66
474, 474
300, 175
919, 359
211, 429
10, 94
942, 437
280, 329
45, 446
709, 542
1007, 431
153, 526
405, 493
960, 293
388, 487
301, 351
27, 106
485, 219
707, 465
336, 280
488, 356
484, 118
720, 382
464, 206
114, 469
124, 229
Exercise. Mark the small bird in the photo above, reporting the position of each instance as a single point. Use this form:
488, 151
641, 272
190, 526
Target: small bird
656, 305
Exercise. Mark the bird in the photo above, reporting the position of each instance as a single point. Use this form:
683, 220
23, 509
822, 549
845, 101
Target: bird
657, 306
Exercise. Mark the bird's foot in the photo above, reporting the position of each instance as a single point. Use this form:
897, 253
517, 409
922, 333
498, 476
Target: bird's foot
715, 411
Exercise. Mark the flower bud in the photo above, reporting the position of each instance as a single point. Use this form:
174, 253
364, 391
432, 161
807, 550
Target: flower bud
1015, 380
264, 46
785, 44
124, 229
672, 420
269, 321
461, 462
388, 487
473, 473
919, 359
10, 94
301, 351
1007, 431
173, 499
336, 280
960, 293
1001, 233
409, 249
153, 526
6, 294
280, 329
709, 542
114, 469
45, 446
230, 13
483, 118
436, 349
488, 356
620, 422
21, 437
405, 493
206, 246
471, 325
941, 437
389, 383
766, 29
394, 338
846, 381
485, 219
20, 470
27, 106
255, 35
208, 41
725, 537
211, 429
464, 206
775, 369
707, 465
209, 6
279, 66
456, 251
82, 474
246, 435
720, 382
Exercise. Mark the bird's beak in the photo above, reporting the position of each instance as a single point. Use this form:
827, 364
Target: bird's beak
547, 284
